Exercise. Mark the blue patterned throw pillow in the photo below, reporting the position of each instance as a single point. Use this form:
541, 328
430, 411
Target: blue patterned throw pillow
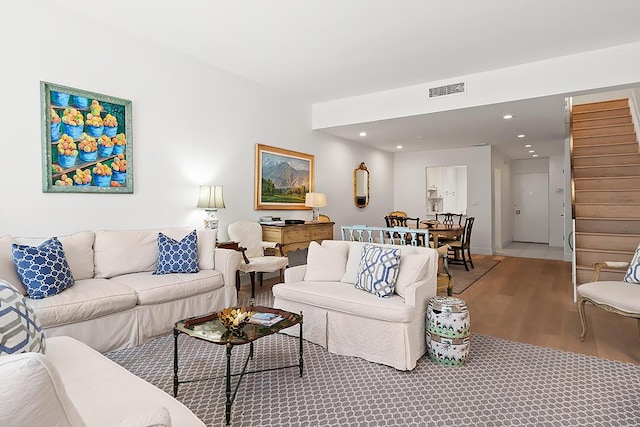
43, 269
378, 270
177, 257
20, 330
633, 273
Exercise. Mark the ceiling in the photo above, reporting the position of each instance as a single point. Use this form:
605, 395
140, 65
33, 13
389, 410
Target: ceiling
319, 50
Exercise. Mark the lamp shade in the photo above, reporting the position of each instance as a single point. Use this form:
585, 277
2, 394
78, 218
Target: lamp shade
211, 197
315, 200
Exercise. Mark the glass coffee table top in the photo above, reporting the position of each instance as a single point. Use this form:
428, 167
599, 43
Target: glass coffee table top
209, 327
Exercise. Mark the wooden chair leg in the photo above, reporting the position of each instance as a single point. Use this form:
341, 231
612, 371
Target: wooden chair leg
583, 317
464, 260
253, 284
260, 277
237, 283
469, 255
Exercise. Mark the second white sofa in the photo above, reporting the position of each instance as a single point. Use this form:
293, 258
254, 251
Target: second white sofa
116, 301
353, 322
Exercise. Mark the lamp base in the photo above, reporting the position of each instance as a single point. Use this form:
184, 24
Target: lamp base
211, 222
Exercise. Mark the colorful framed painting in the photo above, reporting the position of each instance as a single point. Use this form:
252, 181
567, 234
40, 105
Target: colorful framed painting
87, 141
282, 178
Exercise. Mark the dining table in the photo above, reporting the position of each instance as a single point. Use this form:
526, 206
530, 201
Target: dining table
439, 230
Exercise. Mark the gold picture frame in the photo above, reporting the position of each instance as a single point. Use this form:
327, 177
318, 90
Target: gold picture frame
282, 178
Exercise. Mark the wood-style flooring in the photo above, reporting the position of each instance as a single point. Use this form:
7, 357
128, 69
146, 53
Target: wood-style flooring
531, 301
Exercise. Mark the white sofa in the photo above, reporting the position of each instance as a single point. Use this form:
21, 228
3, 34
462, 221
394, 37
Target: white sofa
353, 322
116, 301
72, 385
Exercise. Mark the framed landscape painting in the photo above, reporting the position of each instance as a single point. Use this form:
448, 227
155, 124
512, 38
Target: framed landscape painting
87, 141
282, 178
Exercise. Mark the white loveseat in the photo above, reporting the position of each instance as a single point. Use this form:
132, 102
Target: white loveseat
116, 301
72, 385
353, 322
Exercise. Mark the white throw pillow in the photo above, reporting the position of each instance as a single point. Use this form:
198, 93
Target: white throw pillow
633, 273
353, 262
325, 264
412, 269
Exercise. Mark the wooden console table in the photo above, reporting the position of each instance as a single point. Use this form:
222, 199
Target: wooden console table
297, 236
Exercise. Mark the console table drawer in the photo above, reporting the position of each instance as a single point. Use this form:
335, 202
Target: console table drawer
297, 236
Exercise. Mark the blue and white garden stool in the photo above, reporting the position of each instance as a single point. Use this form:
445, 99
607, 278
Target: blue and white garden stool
448, 330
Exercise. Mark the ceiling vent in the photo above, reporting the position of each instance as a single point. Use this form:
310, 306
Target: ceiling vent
451, 89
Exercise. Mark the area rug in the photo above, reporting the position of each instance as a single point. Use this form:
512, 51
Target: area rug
462, 279
503, 383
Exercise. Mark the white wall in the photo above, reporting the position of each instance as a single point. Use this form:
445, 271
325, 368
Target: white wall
192, 124
556, 201
410, 187
614, 66
503, 199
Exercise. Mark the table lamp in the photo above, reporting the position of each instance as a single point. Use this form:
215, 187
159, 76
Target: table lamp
315, 201
211, 199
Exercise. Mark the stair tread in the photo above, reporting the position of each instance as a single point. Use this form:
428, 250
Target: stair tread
609, 204
591, 233
603, 118
605, 251
610, 177
626, 190
626, 165
600, 218
590, 156
600, 136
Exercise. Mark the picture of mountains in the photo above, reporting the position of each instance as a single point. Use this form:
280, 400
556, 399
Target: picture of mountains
284, 179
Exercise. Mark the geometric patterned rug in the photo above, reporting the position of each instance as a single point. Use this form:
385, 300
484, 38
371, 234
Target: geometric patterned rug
503, 383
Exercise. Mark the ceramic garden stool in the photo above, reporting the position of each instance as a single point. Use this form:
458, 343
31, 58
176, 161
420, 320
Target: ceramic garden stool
448, 330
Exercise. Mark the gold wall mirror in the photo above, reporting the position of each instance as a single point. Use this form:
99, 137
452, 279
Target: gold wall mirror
361, 186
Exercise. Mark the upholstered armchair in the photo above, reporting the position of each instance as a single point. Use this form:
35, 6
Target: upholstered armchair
249, 236
619, 297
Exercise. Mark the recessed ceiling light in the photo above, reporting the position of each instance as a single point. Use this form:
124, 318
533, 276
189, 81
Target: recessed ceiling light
522, 135
532, 151
363, 134
398, 146
507, 116
535, 155
527, 146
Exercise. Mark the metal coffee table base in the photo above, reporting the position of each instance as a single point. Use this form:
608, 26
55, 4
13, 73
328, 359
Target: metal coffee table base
230, 394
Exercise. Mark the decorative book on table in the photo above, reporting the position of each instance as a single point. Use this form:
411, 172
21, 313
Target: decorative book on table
265, 319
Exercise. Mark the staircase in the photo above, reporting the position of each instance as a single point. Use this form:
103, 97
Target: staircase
605, 163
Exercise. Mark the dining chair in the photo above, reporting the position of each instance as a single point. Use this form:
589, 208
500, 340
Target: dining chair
403, 221
449, 218
249, 236
458, 247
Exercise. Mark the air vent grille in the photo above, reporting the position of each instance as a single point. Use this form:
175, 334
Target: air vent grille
447, 90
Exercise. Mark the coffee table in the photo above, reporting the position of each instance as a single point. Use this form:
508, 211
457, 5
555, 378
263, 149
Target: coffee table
210, 329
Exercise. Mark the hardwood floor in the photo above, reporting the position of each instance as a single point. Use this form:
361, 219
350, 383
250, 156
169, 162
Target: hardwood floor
531, 301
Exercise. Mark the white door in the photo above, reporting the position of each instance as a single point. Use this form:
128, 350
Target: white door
531, 207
